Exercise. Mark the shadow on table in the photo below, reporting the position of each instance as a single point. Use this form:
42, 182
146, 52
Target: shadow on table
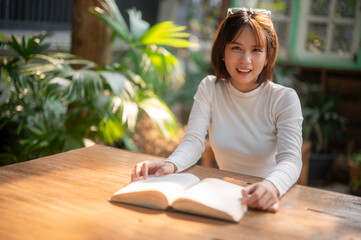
173, 214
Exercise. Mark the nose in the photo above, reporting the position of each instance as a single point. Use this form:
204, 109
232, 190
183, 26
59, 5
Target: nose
245, 56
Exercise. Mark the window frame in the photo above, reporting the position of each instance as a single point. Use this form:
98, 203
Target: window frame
298, 52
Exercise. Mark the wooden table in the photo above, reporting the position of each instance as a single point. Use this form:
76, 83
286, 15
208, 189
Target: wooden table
64, 196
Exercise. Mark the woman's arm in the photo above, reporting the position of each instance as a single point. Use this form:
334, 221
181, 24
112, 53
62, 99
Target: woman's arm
288, 115
192, 146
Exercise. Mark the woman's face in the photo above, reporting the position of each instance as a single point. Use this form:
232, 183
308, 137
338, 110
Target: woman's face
245, 60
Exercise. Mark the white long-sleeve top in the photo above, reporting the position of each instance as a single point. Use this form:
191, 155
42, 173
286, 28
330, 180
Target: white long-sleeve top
257, 133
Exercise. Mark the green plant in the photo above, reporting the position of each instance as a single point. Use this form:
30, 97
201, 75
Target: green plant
53, 102
151, 66
47, 107
143, 46
321, 120
286, 76
356, 158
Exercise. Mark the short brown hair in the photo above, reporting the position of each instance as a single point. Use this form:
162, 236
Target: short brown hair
226, 33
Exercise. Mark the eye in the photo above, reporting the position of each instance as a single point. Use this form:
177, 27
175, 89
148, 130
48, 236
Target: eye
257, 50
236, 48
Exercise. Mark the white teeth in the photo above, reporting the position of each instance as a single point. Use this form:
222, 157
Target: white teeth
243, 70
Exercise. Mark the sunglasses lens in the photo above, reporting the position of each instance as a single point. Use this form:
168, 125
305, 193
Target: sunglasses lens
255, 10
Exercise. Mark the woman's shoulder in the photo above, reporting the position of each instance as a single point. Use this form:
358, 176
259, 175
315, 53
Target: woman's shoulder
209, 80
210, 87
279, 90
281, 95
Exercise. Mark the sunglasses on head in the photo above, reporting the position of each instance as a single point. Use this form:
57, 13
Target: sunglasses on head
252, 10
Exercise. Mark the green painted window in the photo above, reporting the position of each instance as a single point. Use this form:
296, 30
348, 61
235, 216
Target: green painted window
328, 33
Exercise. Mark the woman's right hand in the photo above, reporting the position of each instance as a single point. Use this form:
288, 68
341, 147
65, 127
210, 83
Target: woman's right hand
158, 168
262, 195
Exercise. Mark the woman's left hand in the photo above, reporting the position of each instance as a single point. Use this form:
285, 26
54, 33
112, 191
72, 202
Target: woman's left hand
262, 195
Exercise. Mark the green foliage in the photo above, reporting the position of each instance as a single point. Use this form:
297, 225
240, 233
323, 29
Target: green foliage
27, 48
356, 157
166, 33
144, 46
322, 123
46, 106
51, 103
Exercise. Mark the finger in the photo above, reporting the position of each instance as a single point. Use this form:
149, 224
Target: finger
145, 169
274, 208
138, 169
247, 191
244, 195
254, 195
132, 175
266, 203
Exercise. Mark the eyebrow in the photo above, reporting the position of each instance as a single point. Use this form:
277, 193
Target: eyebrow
235, 42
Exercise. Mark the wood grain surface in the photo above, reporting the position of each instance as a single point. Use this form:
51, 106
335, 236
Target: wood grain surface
65, 196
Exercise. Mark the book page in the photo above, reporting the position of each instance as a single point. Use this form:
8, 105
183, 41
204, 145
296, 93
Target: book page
213, 197
170, 185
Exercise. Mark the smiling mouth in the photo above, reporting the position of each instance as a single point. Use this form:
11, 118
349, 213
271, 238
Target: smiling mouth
243, 70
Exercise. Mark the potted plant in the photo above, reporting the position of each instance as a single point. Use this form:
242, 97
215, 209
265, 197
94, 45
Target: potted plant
355, 173
320, 126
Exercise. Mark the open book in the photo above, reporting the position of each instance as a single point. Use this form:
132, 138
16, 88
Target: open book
185, 192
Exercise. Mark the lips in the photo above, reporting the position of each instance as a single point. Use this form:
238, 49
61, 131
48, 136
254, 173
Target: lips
243, 70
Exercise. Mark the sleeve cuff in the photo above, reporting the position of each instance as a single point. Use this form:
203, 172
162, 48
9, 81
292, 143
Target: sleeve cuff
282, 189
175, 166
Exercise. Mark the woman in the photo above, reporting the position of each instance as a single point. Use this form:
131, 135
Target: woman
254, 125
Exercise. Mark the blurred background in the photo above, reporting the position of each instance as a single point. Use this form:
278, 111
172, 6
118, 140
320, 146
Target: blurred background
123, 73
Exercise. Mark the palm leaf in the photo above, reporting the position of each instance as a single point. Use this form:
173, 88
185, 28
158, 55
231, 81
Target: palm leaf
129, 114
117, 81
112, 129
110, 14
137, 26
85, 84
158, 111
14, 44
162, 59
26, 49
3, 40
166, 33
